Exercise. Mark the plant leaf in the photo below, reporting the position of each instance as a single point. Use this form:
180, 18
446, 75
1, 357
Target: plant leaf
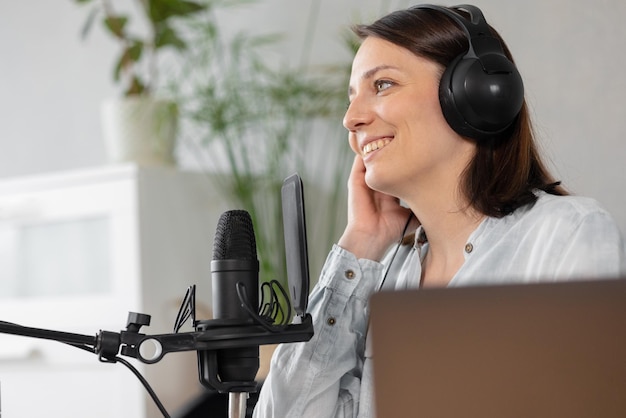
135, 50
117, 70
136, 87
130, 56
91, 17
162, 10
116, 25
166, 36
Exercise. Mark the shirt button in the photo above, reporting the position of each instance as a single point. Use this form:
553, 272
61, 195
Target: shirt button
331, 321
469, 247
349, 274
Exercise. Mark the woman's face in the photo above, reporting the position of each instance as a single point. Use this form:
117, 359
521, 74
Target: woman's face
395, 121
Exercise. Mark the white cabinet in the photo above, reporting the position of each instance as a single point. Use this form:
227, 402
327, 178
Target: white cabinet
78, 251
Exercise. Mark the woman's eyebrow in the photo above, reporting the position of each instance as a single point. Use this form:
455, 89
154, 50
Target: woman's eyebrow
370, 73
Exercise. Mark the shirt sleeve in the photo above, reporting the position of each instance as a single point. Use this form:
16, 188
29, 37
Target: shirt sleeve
321, 377
594, 249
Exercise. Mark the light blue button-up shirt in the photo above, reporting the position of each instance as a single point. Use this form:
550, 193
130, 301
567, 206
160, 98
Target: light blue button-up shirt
558, 238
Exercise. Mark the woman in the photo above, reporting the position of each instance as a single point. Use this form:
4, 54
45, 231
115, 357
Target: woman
474, 189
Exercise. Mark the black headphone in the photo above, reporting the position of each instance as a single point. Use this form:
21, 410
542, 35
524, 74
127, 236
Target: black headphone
481, 92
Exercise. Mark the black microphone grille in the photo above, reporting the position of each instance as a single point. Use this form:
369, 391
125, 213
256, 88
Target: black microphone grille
234, 237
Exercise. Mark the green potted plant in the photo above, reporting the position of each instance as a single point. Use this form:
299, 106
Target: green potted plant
140, 126
256, 121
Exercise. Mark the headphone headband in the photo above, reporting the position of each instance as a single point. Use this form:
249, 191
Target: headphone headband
474, 27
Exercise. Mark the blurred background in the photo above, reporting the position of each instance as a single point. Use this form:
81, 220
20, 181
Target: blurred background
52, 82
87, 233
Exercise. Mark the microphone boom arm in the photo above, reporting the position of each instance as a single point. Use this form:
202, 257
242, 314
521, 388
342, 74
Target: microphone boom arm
45, 334
217, 335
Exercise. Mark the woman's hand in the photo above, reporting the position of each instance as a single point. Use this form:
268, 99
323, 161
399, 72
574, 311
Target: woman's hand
375, 220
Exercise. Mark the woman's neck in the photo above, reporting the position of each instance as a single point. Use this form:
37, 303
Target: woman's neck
448, 223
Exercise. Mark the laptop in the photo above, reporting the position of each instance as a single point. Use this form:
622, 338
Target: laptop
538, 350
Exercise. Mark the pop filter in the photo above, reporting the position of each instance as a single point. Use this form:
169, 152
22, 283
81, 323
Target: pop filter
296, 251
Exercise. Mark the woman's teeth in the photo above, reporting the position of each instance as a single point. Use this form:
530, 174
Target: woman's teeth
374, 145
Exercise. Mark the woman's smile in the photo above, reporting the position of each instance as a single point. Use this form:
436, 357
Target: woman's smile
374, 145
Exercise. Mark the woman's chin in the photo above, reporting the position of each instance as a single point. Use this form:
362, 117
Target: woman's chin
375, 181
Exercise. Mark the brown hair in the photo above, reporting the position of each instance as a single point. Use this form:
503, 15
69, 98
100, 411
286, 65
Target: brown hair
505, 172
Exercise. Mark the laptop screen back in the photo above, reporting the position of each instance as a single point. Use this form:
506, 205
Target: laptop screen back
540, 350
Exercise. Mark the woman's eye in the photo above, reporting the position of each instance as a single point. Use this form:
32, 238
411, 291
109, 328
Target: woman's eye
382, 85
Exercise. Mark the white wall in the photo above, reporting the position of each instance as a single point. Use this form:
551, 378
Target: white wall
569, 53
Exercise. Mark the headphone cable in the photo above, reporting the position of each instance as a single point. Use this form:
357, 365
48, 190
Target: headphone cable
395, 252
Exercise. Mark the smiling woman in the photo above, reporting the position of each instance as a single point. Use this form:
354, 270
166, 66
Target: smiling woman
437, 120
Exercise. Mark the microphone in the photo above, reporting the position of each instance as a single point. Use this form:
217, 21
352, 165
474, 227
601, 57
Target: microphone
235, 272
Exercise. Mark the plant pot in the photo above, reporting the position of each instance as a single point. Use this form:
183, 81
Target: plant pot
140, 130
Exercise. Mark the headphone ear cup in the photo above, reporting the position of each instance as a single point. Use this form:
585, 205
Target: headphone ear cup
480, 104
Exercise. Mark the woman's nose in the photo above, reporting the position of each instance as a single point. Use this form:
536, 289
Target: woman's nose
357, 115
